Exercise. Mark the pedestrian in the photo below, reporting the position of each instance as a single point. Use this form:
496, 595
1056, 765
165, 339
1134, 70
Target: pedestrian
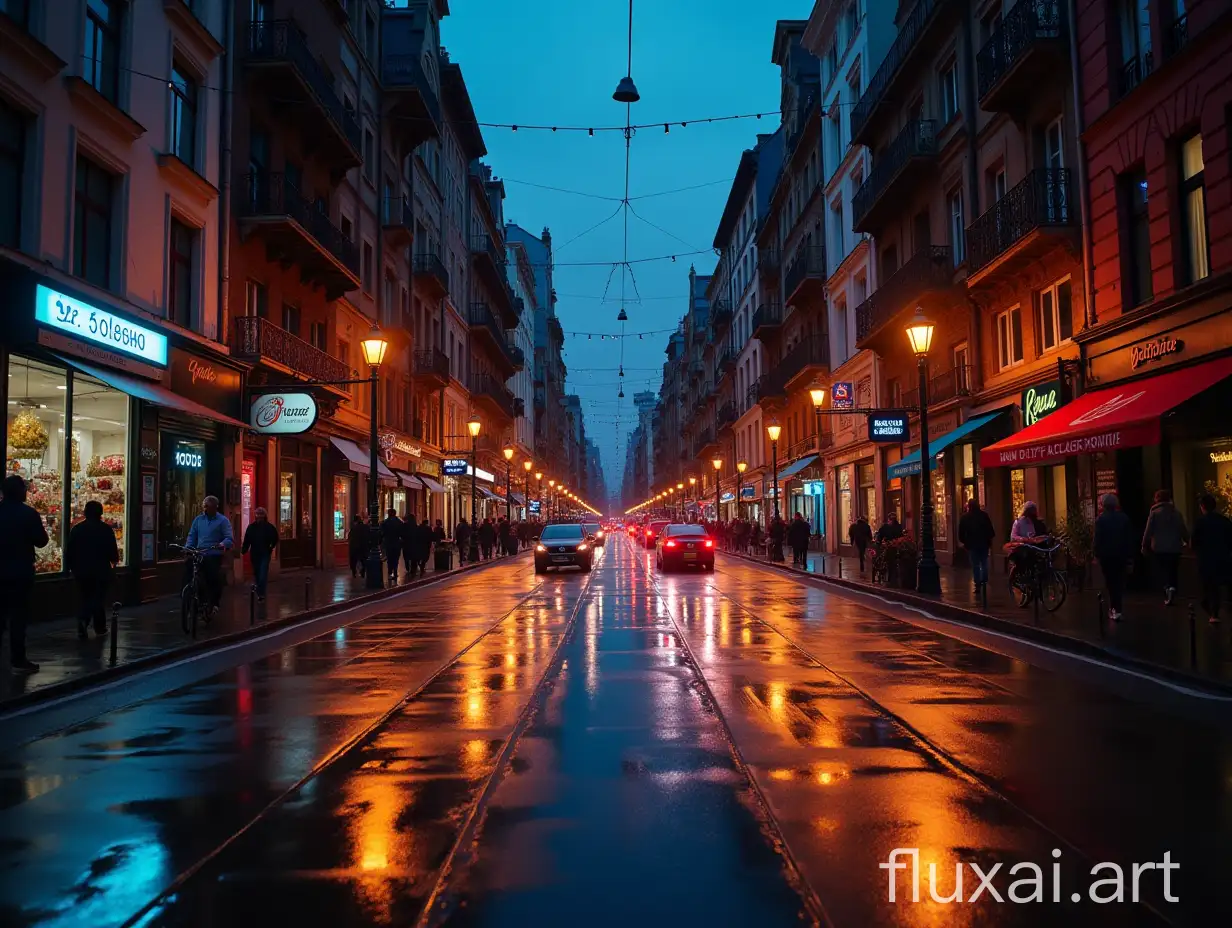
410, 542
975, 533
438, 532
391, 543
523, 535
462, 535
260, 540
1028, 525
798, 537
357, 545
210, 534
422, 546
1212, 542
21, 531
778, 534
1165, 536
889, 530
90, 555
503, 534
860, 534
1113, 549
487, 538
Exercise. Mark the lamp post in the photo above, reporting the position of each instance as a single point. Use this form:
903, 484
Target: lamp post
474, 426
539, 492
551, 496
928, 579
741, 467
527, 466
696, 501
508, 453
717, 464
818, 396
774, 430
680, 500
374, 348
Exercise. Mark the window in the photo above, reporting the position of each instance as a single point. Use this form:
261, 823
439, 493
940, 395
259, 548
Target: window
290, 318
1135, 238
316, 335
185, 468
366, 267
35, 448
183, 116
843, 479
93, 201
342, 507
866, 479
1056, 324
1193, 204
369, 156
1054, 145
100, 65
836, 218
256, 299
994, 180
286, 504
949, 92
12, 171
1009, 338
990, 24
831, 62
853, 20
347, 229
962, 369
182, 246
369, 35
958, 228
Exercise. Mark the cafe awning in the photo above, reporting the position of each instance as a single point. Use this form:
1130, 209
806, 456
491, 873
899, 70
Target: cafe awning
1127, 416
151, 392
910, 465
357, 460
431, 483
795, 467
410, 481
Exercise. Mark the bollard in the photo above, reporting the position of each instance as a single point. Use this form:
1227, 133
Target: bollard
1035, 598
840, 567
252, 607
1099, 613
115, 632
1193, 638
307, 592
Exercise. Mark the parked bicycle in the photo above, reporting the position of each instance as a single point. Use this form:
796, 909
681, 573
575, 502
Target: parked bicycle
1035, 578
193, 605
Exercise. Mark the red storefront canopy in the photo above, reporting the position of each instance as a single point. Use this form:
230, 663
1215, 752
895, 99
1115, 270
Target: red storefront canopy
1104, 420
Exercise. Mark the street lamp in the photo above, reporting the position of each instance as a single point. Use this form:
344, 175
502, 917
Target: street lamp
774, 430
527, 466
680, 500
741, 467
920, 337
539, 491
551, 497
374, 348
474, 426
508, 453
717, 464
818, 396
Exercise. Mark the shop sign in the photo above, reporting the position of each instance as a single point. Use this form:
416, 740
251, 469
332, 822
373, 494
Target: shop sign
534, 507
727, 497
208, 382
1221, 457
842, 395
888, 426
1040, 400
392, 443
424, 466
748, 492
188, 456
814, 488
94, 324
1154, 350
456, 467
1105, 482
283, 413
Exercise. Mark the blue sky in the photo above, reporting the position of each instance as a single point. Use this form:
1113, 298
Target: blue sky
557, 62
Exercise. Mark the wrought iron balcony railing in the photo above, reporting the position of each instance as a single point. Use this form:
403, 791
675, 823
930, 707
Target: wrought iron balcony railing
1177, 36
769, 317
812, 352
1041, 199
271, 193
768, 264
429, 264
1135, 71
430, 362
255, 339
726, 415
930, 268
1028, 23
918, 139
952, 384
809, 264
484, 385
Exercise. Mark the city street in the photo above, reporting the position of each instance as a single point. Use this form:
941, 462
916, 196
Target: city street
735, 748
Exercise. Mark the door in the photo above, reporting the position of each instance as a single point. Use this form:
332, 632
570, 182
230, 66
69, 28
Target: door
1054, 163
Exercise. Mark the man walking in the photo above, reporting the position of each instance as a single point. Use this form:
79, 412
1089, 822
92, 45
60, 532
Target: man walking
975, 533
210, 533
1165, 537
90, 555
391, 543
487, 538
260, 540
357, 545
462, 535
1212, 541
21, 531
1113, 549
423, 546
860, 534
798, 537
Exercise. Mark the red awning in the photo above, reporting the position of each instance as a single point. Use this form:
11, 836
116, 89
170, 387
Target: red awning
1104, 420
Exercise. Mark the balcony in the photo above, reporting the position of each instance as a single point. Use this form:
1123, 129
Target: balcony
1021, 56
258, 341
806, 275
930, 272
397, 221
878, 99
900, 167
767, 320
725, 416
771, 388
768, 263
492, 393
488, 255
296, 231
484, 325
412, 105
519, 406
725, 365
1134, 72
956, 383
430, 367
518, 357
1177, 35
704, 444
720, 316
807, 360
428, 270
1032, 217
281, 66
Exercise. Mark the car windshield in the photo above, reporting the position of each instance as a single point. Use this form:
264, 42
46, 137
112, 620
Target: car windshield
593, 527
658, 526
685, 530
562, 533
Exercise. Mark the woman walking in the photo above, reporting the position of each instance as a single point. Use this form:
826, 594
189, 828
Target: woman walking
1165, 537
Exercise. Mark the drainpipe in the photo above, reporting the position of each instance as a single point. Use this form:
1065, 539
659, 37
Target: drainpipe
973, 178
224, 172
1084, 189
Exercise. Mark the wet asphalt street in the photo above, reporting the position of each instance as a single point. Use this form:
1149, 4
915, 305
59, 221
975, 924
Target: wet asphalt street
735, 748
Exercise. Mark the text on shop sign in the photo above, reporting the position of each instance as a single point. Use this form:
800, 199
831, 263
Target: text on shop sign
888, 427
1039, 401
186, 458
283, 413
58, 311
1154, 350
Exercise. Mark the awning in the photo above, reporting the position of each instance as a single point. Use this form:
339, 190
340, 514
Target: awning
431, 483
410, 481
151, 392
357, 458
1128, 416
485, 492
517, 499
794, 468
910, 465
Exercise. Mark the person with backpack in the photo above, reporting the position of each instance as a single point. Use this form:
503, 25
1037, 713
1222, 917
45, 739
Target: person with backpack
1164, 538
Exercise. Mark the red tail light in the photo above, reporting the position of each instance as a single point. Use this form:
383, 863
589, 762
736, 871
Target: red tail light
669, 544
709, 543
649, 533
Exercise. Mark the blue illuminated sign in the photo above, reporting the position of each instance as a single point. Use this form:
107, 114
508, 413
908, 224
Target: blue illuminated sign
81, 320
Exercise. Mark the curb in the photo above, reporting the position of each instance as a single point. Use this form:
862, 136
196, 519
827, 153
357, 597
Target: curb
975, 618
194, 648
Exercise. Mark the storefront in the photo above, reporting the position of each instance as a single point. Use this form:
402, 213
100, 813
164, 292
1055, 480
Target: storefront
348, 466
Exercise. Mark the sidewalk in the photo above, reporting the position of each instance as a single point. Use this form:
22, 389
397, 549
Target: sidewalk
1151, 633
152, 629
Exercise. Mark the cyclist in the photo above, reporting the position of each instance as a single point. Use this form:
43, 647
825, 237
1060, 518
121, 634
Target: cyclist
210, 533
1028, 533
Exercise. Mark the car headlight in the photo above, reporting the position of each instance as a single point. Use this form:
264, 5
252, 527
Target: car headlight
540, 548
582, 546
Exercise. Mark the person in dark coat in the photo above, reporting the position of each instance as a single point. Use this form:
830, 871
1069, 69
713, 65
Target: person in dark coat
1212, 543
487, 538
1165, 536
860, 534
391, 541
798, 537
1113, 548
438, 532
89, 556
778, 534
891, 530
505, 534
21, 531
975, 533
462, 535
260, 540
410, 543
357, 545
420, 550
523, 535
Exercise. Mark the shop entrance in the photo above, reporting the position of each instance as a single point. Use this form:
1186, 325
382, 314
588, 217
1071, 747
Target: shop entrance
296, 488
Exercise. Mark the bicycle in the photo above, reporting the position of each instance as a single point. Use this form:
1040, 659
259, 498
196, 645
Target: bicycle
193, 605
1038, 578
879, 565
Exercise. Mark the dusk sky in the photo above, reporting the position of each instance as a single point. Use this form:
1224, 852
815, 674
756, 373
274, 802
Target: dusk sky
557, 62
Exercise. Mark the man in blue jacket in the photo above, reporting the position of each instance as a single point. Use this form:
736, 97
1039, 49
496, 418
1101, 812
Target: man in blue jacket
1113, 549
210, 533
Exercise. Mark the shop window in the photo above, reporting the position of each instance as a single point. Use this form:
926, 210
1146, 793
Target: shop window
101, 53
1135, 238
248, 493
183, 115
1018, 492
342, 507
99, 453
184, 467
286, 505
967, 474
1056, 322
843, 479
941, 528
35, 447
1193, 203
182, 247
866, 479
1009, 338
93, 202
12, 173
